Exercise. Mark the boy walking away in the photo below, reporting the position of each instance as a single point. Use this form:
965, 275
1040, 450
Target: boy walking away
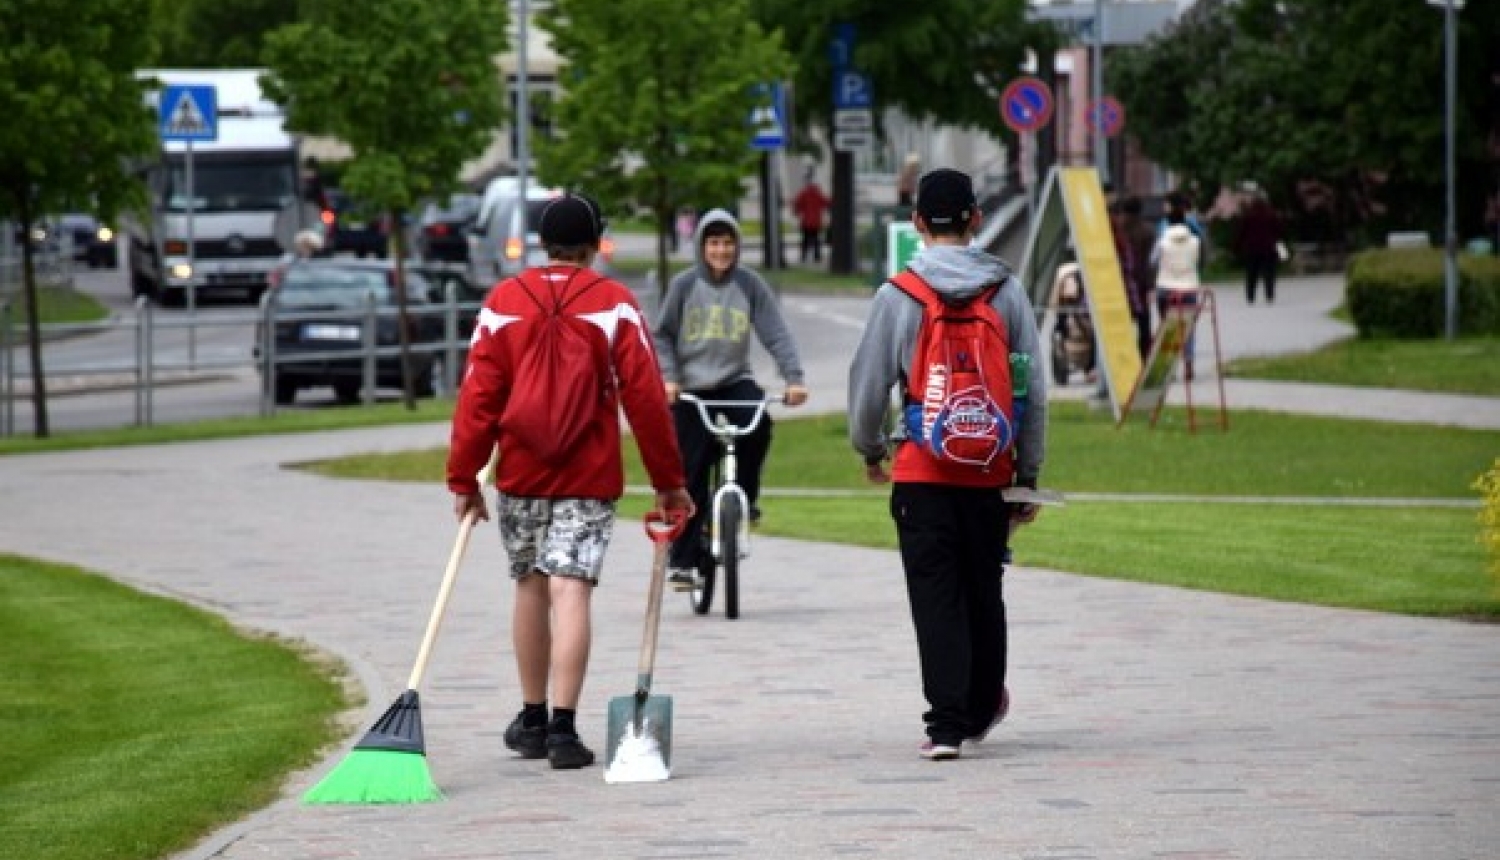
810, 205
703, 337
557, 352
941, 331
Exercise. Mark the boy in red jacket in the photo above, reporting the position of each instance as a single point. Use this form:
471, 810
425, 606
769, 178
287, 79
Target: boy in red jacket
556, 515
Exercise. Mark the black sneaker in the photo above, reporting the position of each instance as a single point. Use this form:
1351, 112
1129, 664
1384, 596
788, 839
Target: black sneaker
566, 752
529, 741
754, 515
1001, 709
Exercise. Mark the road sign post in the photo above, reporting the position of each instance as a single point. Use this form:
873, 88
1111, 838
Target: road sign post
188, 113
768, 122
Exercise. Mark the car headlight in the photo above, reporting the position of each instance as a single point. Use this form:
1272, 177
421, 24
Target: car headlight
182, 271
105, 234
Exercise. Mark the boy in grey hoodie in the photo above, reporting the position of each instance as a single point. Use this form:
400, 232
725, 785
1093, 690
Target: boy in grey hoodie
953, 533
703, 331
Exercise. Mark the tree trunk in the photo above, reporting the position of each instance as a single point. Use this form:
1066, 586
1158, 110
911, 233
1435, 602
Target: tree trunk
33, 329
662, 206
398, 250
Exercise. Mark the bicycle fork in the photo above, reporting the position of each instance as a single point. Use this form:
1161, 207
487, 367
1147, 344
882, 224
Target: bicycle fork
731, 486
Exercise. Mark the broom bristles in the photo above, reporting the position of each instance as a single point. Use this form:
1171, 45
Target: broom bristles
377, 776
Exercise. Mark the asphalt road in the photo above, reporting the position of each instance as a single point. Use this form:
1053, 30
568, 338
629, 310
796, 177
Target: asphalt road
206, 370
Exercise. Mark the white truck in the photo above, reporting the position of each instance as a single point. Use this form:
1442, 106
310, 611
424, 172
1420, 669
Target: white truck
246, 202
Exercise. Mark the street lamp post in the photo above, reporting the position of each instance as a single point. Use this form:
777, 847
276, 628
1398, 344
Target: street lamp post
1450, 227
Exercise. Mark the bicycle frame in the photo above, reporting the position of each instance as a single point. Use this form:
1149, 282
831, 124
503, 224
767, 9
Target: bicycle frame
729, 484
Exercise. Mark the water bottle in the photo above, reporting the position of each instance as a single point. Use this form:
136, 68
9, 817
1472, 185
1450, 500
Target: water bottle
1020, 382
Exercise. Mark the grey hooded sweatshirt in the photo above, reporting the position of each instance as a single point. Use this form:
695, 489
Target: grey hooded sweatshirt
703, 330
883, 358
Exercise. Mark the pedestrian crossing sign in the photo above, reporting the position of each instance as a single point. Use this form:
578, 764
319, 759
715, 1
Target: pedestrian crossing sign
768, 118
188, 113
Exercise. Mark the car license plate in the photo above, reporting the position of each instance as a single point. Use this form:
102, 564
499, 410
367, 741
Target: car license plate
355, 225
329, 331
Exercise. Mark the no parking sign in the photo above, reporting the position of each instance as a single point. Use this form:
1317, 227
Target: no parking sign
1107, 116
1026, 104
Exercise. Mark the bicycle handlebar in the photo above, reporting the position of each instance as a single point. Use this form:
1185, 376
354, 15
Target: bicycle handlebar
722, 427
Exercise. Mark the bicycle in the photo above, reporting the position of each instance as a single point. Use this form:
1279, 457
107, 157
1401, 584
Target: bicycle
726, 529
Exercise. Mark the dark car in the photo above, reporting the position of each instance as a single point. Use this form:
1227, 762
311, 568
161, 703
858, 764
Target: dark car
326, 300
443, 230
354, 227
93, 243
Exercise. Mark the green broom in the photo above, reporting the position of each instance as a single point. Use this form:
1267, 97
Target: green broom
389, 764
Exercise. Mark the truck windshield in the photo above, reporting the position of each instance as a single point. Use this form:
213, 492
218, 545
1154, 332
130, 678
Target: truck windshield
231, 187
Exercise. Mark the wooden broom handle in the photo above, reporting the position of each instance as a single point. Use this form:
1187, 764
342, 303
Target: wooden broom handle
460, 544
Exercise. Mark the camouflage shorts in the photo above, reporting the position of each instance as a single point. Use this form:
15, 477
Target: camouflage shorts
557, 537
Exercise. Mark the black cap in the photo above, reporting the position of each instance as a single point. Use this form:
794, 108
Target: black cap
945, 197
571, 220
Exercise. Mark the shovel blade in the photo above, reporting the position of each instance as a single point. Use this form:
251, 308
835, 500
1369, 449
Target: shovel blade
639, 739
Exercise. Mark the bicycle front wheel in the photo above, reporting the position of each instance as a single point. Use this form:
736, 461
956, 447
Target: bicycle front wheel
702, 595
729, 520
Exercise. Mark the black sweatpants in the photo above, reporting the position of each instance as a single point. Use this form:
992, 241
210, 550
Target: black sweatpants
700, 450
1260, 269
952, 547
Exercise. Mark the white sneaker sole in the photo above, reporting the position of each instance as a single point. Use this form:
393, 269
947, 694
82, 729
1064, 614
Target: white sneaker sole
939, 752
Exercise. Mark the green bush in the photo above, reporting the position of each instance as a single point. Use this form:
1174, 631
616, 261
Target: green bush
1393, 292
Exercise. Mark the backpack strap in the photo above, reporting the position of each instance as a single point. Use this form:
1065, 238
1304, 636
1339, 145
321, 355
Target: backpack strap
560, 300
913, 285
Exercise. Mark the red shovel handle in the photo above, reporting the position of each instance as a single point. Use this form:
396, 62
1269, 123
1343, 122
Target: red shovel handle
665, 527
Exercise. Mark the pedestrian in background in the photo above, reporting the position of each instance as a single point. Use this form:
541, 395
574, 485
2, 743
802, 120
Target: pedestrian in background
906, 179
1129, 263
1141, 238
1256, 241
810, 206
556, 520
1176, 258
709, 317
952, 523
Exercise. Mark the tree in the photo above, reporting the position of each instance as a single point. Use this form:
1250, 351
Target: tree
74, 112
410, 86
208, 34
1342, 94
944, 61
656, 102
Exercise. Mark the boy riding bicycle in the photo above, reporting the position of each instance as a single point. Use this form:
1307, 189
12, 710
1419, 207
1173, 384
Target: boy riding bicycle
702, 339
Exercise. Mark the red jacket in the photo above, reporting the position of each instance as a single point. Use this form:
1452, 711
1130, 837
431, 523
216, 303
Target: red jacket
596, 472
810, 204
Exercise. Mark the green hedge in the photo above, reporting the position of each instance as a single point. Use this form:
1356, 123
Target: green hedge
1400, 293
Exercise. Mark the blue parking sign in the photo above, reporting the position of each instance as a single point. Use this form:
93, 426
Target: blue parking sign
852, 89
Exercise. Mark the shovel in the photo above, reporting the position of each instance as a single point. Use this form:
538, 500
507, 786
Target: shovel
640, 725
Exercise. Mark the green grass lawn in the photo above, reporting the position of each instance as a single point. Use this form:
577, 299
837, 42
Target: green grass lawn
134, 725
56, 305
1404, 558
1467, 365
